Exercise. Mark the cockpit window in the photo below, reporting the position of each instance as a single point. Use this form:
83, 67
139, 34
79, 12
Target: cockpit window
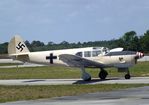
79, 54
105, 51
96, 53
87, 54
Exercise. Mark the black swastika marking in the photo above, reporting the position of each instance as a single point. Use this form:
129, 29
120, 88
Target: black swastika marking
51, 57
20, 46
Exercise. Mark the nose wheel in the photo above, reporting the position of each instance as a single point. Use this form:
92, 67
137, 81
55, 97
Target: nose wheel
127, 76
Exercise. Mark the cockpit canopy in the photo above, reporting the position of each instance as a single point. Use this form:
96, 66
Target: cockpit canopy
93, 52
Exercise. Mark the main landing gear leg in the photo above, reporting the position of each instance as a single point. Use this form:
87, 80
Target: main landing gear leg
127, 76
103, 74
85, 76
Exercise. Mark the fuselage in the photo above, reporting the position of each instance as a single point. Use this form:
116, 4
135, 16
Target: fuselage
97, 54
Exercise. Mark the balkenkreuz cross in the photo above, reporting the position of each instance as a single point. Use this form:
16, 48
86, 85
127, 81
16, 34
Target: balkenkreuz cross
51, 57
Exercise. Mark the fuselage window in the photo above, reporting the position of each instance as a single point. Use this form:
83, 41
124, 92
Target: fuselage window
79, 54
96, 53
87, 54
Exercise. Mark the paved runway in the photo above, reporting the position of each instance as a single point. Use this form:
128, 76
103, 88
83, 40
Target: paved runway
133, 80
134, 96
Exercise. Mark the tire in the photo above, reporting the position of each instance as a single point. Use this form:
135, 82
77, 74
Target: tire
103, 74
127, 76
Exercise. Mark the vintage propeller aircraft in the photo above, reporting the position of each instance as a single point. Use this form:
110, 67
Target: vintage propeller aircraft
94, 57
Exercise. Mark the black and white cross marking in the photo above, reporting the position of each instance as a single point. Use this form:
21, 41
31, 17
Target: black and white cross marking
51, 57
20, 46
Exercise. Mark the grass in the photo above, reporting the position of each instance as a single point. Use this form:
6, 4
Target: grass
17, 93
139, 70
46, 72
39, 73
9, 64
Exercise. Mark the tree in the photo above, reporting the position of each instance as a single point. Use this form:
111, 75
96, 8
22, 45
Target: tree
28, 45
129, 41
3, 48
50, 43
64, 43
144, 40
135, 44
37, 44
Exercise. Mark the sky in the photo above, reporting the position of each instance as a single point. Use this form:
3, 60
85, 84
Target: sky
72, 20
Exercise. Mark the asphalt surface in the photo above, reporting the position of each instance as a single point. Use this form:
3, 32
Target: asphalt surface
133, 80
133, 96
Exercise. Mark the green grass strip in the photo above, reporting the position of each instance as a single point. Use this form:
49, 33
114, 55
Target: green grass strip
51, 72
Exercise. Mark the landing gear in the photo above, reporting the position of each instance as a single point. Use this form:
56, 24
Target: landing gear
103, 74
127, 76
126, 70
85, 76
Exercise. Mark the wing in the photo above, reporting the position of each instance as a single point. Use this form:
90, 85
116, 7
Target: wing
76, 61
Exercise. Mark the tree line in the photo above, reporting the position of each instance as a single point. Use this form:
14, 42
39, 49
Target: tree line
129, 41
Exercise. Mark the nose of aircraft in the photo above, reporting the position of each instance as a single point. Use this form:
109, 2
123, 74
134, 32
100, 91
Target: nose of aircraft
139, 55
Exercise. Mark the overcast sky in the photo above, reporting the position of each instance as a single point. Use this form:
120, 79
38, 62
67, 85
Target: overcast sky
72, 20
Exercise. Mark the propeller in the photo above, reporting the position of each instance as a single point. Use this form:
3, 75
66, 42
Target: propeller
138, 56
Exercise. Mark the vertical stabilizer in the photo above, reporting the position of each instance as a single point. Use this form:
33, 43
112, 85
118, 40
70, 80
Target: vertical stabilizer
17, 46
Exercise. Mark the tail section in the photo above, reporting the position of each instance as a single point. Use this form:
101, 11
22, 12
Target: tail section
17, 46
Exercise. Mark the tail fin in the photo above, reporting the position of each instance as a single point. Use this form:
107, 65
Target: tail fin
17, 46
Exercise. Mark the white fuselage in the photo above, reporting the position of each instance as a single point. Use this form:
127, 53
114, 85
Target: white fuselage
87, 53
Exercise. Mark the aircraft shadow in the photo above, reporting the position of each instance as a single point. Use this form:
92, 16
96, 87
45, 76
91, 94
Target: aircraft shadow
93, 81
29, 81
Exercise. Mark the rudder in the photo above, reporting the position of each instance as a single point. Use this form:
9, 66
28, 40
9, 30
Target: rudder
17, 46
